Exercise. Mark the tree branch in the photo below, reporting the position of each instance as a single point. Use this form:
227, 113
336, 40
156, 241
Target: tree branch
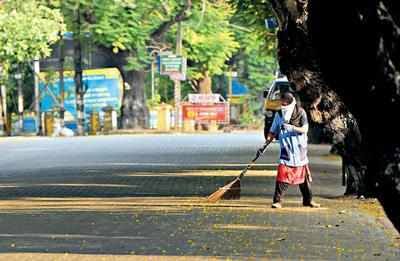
164, 27
280, 12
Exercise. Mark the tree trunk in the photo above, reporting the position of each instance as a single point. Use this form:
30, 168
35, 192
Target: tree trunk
61, 79
205, 84
204, 87
3, 102
2, 118
134, 109
347, 52
79, 90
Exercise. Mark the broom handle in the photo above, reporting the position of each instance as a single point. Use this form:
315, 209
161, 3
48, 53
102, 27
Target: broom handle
260, 152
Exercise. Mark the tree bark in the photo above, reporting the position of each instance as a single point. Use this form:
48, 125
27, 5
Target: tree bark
61, 77
341, 53
2, 118
205, 84
135, 111
158, 34
3, 102
78, 78
134, 108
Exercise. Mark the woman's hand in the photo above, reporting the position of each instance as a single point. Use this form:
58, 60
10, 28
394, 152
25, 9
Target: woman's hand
289, 127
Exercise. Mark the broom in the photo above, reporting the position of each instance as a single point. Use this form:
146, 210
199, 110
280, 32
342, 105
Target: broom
234, 185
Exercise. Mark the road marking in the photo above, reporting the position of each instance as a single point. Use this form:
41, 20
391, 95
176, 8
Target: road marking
186, 164
29, 149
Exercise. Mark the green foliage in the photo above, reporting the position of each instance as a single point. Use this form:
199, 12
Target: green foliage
128, 26
251, 13
216, 33
121, 27
27, 29
208, 38
249, 118
256, 61
152, 103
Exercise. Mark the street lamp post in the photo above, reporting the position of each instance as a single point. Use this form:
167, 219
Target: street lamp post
177, 83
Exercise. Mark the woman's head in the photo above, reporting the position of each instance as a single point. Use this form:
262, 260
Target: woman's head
287, 98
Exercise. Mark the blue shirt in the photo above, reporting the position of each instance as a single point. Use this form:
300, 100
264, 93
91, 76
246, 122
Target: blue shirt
293, 144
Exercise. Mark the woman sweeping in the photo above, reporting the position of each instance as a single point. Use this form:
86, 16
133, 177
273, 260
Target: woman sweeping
290, 127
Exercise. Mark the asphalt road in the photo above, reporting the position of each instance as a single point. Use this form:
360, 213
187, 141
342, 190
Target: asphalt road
142, 197
89, 166
137, 151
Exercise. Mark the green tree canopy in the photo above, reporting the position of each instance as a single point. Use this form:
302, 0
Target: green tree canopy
209, 41
27, 29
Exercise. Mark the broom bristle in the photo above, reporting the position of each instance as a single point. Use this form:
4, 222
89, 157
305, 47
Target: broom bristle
217, 195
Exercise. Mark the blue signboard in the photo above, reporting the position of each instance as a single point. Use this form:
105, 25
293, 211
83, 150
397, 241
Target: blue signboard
103, 89
239, 89
29, 125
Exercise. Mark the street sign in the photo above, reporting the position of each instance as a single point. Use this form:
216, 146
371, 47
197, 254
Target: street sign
204, 98
172, 65
218, 112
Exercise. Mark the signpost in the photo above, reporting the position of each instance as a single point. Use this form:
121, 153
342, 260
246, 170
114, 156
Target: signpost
174, 66
205, 113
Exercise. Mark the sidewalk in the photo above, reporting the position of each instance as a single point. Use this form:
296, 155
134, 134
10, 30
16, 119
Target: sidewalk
163, 227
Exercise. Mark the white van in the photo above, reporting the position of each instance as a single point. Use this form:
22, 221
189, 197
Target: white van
272, 102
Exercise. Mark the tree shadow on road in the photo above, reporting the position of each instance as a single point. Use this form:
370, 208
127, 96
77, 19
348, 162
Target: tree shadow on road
134, 182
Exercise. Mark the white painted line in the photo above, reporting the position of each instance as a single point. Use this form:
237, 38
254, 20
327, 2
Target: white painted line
185, 165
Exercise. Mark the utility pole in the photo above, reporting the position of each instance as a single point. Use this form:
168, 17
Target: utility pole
177, 83
36, 67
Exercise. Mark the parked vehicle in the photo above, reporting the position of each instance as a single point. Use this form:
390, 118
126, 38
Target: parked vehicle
272, 102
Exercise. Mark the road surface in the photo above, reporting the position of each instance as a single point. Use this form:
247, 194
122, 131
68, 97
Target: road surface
141, 197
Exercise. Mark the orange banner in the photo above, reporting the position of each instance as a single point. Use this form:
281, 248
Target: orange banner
206, 112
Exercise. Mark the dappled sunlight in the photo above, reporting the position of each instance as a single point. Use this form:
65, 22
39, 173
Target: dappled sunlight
67, 236
153, 204
221, 173
22, 185
88, 257
170, 227
247, 227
